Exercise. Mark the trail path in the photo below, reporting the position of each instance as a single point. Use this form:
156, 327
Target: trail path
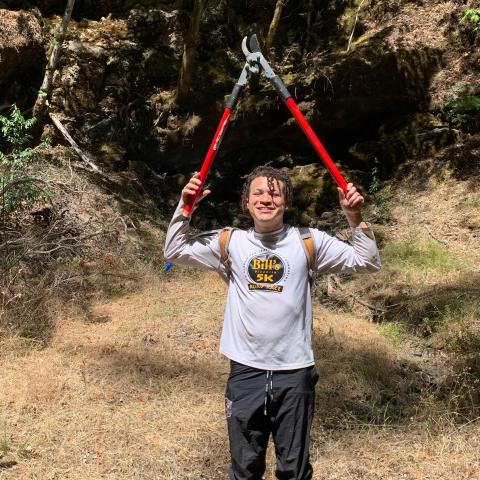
136, 390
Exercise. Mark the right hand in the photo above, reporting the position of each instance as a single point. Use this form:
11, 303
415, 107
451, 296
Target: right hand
191, 188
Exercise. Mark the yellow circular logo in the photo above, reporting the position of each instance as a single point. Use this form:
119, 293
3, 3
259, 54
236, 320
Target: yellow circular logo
266, 268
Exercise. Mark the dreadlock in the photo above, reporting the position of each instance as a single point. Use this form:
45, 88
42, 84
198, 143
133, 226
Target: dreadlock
271, 174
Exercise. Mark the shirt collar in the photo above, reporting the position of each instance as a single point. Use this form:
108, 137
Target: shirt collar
272, 237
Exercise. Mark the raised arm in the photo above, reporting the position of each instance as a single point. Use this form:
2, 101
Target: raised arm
191, 188
362, 256
180, 246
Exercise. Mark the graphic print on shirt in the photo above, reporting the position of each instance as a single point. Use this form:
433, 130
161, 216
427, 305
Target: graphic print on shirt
264, 270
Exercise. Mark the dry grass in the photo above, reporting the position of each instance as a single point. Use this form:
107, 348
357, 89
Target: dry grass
79, 243
131, 397
403, 453
138, 393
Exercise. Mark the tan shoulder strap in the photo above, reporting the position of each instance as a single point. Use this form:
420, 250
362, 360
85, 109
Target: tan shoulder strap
223, 241
308, 245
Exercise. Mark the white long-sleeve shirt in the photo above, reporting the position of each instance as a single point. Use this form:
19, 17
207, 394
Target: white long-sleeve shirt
268, 315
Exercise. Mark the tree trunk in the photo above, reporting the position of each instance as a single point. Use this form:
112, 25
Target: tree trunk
46, 88
272, 31
310, 19
189, 52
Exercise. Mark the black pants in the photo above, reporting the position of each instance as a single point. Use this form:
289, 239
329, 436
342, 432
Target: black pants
259, 403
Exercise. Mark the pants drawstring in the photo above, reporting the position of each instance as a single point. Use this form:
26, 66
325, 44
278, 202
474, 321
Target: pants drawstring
268, 390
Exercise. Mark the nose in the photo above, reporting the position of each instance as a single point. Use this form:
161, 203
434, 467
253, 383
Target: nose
266, 198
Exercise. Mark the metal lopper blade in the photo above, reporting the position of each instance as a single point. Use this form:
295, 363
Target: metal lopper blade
245, 49
253, 43
255, 60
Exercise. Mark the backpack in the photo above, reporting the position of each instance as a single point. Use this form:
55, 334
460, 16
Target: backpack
304, 234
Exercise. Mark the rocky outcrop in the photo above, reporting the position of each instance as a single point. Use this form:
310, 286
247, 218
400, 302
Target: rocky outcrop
386, 98
108, 81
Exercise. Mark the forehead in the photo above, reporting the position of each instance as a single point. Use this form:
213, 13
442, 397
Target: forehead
261, 183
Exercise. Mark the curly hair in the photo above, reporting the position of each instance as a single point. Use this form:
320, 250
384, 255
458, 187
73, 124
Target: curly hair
271, 174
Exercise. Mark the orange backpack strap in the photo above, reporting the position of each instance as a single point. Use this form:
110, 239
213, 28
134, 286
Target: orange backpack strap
308, 245
223, 241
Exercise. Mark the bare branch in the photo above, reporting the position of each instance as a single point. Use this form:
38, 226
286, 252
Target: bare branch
20, 181
274, 24
337, 283
354, 25
73, 143
189, 51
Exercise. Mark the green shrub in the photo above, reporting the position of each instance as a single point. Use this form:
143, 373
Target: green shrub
439, 316
472, 16
18, 187
464, 111
380, 196
395, 331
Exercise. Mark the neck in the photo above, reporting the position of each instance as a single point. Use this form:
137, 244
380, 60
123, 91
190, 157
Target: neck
259, 228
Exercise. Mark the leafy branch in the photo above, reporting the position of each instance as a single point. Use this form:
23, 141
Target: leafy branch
472, 15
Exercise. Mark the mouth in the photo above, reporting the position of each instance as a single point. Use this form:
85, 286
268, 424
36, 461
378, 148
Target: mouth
265, 209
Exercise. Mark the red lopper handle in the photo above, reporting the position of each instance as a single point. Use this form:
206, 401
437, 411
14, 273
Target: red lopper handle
323, 154
207, 163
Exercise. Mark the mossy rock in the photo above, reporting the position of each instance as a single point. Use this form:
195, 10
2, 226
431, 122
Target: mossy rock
416, 135
311, 187
159, 67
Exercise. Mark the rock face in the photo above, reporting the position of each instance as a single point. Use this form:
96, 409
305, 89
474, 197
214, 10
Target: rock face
94, 9
22, 57
386, 96
107, 83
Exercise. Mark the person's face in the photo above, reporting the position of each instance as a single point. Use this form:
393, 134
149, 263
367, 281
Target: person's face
266, 204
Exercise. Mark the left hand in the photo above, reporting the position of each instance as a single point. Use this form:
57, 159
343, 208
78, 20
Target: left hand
352, 203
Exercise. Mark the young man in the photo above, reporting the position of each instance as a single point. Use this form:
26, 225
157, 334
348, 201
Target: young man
267, 330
